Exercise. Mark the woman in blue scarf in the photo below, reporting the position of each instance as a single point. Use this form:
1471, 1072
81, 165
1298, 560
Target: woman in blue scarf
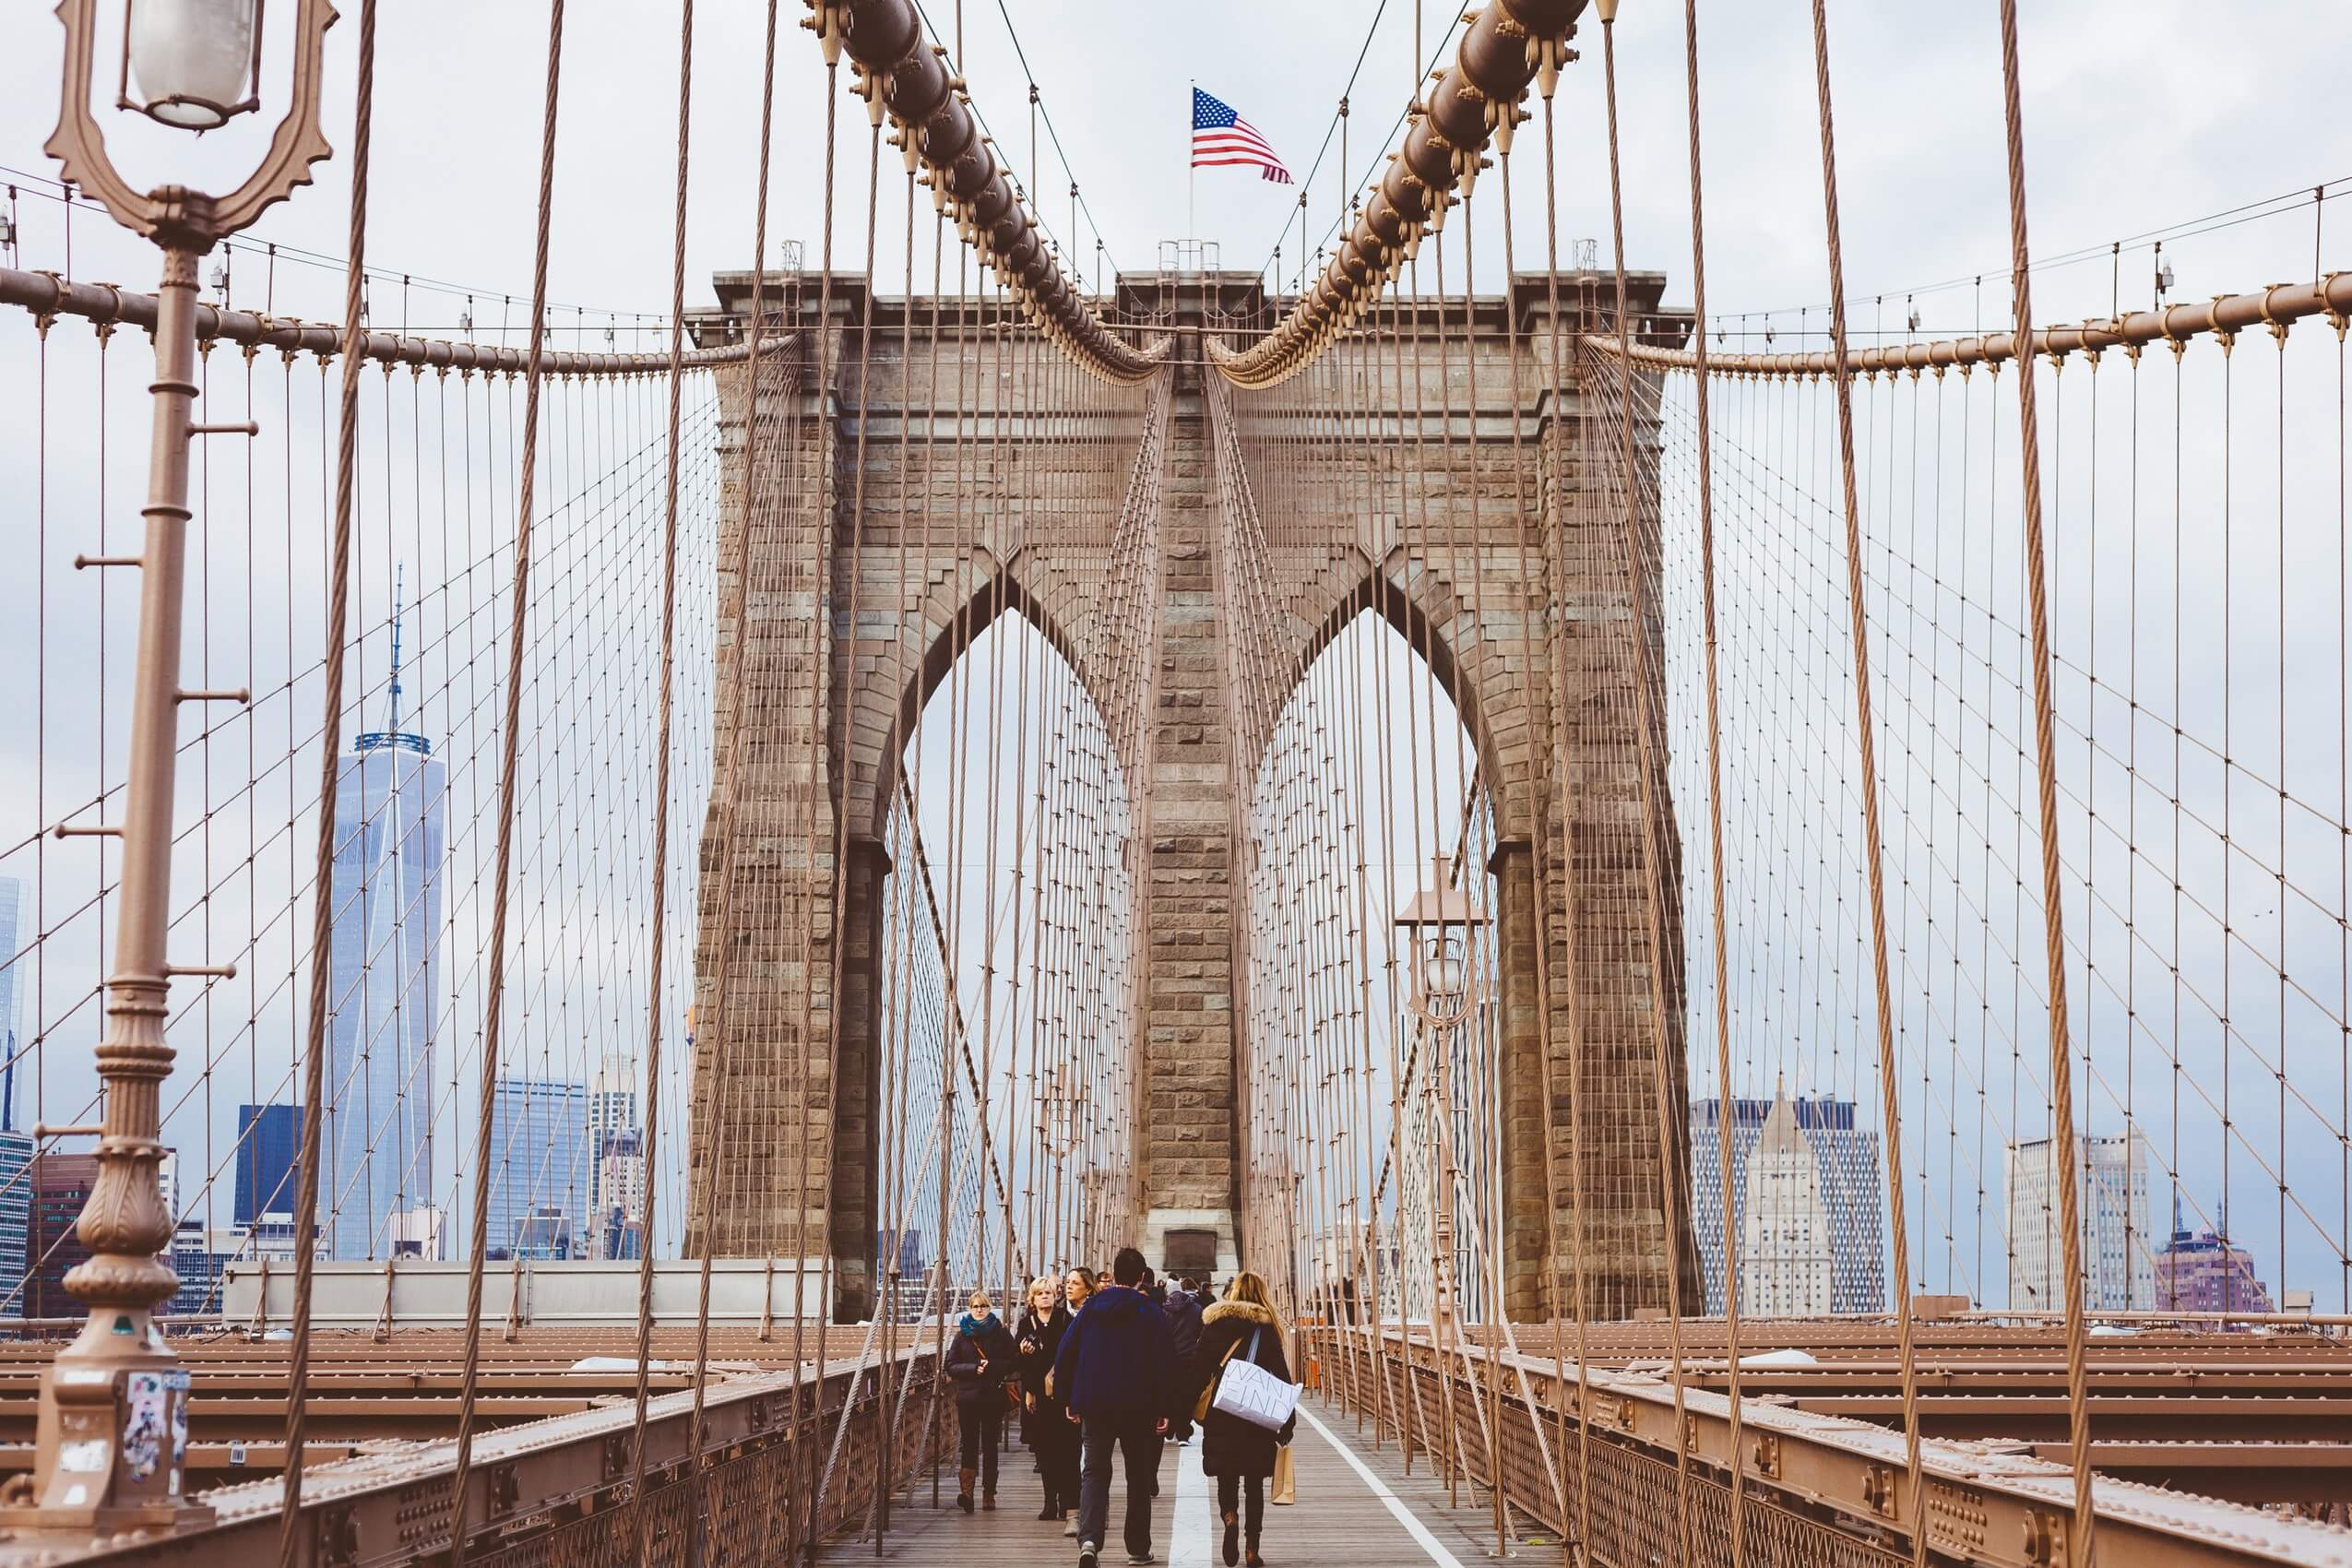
980, 1359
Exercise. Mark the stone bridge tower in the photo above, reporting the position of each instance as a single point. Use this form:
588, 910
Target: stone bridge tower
825, 701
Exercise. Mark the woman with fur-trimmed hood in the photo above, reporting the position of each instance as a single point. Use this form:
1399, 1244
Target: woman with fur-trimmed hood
1236, 1452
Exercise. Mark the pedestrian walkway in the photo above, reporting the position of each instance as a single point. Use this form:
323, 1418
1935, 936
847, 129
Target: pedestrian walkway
1357, 1509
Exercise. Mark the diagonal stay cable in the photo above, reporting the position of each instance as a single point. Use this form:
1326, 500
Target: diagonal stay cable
1035, 205
1386, 142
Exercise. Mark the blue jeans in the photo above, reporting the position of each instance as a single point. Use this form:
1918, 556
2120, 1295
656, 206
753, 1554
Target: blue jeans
1140, 1445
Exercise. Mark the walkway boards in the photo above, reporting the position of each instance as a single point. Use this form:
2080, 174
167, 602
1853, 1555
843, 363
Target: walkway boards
1341, 1520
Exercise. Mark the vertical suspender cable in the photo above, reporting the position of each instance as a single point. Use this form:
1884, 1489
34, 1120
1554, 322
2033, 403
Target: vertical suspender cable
2061, 1085
1866, 784
1671, 1171
1701, 392
1546, 82
644, 1523
322, 936
509, 726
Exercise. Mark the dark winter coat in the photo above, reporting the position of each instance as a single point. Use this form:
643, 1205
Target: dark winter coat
1116, 1360
978, 1340
1043, 1335
1229, 1446
1183, 1324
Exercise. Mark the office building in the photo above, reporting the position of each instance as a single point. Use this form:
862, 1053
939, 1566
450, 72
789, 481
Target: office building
1785, 1250
2206, 1272
16, 1147
616, 1187
15, 941
1849, 1179
16, 1218
390, 810
2118, 1252
618, 1194
538, 1160
62, 1185
270, 1148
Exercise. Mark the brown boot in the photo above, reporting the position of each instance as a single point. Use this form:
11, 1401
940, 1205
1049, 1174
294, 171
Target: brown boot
987, 1501
964, 1491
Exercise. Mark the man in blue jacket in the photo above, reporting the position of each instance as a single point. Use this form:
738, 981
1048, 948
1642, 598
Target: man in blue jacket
1117, 1365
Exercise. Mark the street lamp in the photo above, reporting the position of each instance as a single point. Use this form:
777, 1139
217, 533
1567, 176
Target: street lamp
1439, 998
113, 1429
1441, 971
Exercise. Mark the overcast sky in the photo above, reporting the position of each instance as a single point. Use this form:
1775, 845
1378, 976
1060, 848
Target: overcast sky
2138, 115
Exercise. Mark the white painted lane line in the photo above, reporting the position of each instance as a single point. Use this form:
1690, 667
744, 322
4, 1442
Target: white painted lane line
1405, 1515
1188, 1542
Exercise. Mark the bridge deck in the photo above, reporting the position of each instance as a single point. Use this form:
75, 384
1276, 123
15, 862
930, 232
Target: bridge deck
1351, 1510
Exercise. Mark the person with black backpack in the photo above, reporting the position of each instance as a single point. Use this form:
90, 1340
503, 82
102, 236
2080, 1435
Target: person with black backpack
1238, 1453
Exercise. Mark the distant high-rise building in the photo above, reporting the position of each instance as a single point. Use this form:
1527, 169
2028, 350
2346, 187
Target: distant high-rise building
1786, 1257
12, 1005
16, 1218
2117, 1252
538, 1160
2206, 1272
1848, 1179
390, 810
62, 1185
269, 1148
15, 1149
618, 1194
616, 1188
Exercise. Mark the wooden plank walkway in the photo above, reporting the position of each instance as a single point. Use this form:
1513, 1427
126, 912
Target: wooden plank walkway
1341, 1520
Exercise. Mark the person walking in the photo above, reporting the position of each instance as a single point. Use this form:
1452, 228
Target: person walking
1184, 1332
1118, 1366
979, 1362
1240, 1453
1077, 1287
1045, 1426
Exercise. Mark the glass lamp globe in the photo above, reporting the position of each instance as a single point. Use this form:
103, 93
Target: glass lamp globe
1443, 972
191, 58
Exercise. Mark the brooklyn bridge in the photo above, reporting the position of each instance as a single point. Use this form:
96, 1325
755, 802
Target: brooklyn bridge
1728, 903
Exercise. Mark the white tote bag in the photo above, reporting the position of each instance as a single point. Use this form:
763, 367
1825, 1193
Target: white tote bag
1248, 1391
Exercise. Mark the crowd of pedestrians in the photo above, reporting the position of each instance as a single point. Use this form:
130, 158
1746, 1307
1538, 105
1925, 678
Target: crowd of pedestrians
1101, 1372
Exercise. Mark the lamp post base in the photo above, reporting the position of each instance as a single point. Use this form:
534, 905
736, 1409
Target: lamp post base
114, 1437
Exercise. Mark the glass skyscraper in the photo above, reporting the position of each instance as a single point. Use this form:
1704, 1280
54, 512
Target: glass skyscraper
269, 1143
539, 1160
390, 811
16, 1147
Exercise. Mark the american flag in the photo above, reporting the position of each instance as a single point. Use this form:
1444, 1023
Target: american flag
1221, 138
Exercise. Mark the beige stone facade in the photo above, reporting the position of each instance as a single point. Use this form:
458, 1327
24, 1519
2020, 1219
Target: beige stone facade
876, 555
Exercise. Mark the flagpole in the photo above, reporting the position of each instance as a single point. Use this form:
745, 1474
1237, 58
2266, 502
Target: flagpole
1192, 174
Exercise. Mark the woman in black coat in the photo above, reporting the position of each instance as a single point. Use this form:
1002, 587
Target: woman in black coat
1240, 1453
978, 1361
1046, 1431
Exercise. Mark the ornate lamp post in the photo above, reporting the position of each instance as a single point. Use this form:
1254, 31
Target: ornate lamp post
1439, 998
113, 1408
